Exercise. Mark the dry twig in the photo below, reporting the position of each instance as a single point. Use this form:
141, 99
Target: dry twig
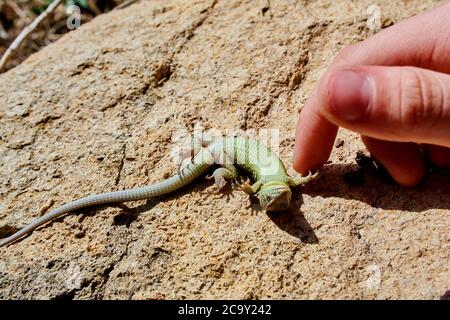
26, 32
125, 4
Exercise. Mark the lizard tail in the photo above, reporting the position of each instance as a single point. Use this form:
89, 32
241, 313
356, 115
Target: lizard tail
185, 176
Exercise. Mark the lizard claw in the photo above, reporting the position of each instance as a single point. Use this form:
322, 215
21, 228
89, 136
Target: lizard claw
219, 179
214, 190
244, 185
220, 182
238, 183
304, 180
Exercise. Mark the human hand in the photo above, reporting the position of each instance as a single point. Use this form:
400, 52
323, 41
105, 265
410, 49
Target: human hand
393, 89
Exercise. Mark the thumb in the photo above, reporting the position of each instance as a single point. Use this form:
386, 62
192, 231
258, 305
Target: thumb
390, 103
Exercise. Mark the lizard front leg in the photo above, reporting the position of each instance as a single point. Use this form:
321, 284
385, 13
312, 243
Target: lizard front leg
227, 171
300, 181
248, 188
221, 175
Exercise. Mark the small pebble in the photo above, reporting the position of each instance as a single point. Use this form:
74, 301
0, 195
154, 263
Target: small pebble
339, 143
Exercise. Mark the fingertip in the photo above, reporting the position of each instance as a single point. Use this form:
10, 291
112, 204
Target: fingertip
304, 167
313, 142
412, 179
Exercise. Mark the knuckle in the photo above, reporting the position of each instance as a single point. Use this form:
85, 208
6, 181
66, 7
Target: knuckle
420, 99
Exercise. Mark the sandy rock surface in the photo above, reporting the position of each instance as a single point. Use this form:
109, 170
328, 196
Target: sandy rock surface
102, 110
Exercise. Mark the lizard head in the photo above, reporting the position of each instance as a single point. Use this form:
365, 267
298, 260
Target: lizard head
275, 196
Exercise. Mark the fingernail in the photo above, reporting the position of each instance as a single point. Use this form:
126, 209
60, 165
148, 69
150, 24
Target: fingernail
349, 94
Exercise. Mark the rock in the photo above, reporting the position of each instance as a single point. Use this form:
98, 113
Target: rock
102, 106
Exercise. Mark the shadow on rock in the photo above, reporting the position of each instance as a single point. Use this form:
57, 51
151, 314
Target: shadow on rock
294, 222
376, 188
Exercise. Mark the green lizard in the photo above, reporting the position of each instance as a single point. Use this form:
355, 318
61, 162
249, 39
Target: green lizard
271, 181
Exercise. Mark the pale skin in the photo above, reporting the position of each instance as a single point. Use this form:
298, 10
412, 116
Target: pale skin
394, 90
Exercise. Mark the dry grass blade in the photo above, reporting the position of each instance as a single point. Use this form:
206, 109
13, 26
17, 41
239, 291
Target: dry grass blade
125, 4
26, 32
